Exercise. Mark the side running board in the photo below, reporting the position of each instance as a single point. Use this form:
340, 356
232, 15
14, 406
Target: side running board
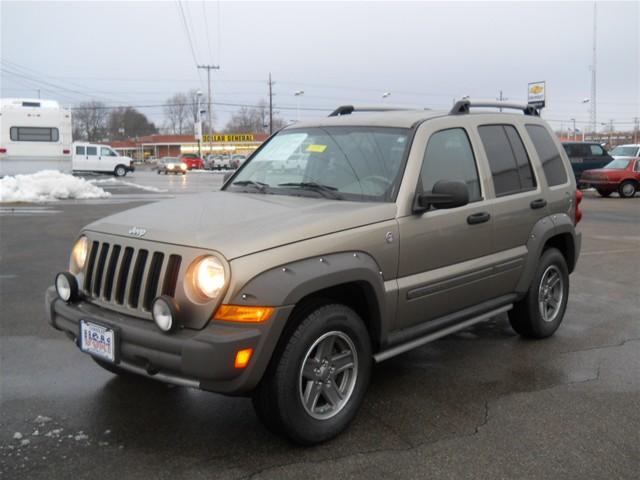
411, 344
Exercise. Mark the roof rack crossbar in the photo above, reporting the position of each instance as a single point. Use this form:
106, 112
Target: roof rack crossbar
463, 107
349, 109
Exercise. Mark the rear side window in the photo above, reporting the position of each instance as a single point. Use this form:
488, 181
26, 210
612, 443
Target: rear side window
548, 154
79, 150
449, 157
92, 150
34, 134
596, 150
508, 159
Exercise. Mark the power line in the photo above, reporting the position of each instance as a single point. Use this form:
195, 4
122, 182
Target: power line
206, 29
186, 30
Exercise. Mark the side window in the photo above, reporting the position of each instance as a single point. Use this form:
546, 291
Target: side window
548, 154
92, 150
106, 152
510, 166
637, 166
583, 150
79, 150
596, 150
449, 157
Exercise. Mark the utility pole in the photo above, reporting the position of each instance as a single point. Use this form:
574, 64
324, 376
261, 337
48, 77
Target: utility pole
636, 126
501, 98
270, 105
594, 118
574, 129
208, 68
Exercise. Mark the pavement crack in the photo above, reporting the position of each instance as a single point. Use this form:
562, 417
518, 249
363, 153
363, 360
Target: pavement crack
486, 418
602, 347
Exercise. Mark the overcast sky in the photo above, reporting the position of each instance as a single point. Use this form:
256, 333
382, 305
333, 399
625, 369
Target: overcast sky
428, 53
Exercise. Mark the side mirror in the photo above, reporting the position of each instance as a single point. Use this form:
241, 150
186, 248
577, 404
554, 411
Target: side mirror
445, 194
227, 176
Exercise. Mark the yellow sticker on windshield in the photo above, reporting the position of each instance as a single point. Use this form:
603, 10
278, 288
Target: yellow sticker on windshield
316, 148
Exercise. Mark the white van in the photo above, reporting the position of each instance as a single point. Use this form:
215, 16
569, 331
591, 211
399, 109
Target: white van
91, 157
34, 135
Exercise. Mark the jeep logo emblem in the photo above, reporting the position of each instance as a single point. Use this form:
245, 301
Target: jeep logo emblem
137, 232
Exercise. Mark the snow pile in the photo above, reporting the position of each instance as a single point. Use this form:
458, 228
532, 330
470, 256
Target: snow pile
46, 186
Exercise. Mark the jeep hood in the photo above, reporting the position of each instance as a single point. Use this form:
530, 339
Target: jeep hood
238, 224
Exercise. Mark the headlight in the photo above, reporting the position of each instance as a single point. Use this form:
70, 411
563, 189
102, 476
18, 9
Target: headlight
183, 166
208, 276
66, 286
79, 254
170, 166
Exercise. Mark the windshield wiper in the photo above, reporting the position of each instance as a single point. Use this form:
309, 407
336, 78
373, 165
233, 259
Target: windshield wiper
260, 186
325, 190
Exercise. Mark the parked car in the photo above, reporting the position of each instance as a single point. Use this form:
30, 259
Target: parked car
388, 239
625, 152
90, 157
192, 161
621, 175
218, 162
237, 160
173, 165
585, 156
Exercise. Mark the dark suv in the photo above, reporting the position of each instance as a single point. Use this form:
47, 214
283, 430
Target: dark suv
394, 229
585, 156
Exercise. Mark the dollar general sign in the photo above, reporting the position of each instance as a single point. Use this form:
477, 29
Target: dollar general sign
231, 138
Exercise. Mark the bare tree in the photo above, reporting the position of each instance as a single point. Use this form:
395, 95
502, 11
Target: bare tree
253, 119
127, 122
89, 121
176, 112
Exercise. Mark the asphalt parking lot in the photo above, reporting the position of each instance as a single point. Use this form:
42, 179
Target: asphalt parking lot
479, 404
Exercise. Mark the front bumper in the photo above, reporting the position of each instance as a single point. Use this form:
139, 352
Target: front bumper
197, 358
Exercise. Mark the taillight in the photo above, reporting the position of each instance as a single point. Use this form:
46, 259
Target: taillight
3, 150
578, 210
66, 151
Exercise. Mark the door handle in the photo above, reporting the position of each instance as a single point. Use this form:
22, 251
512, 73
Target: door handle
538, 203
476, 218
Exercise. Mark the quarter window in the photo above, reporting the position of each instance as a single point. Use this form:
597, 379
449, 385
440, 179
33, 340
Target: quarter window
508, 159
34, 134
449, 157
548, 154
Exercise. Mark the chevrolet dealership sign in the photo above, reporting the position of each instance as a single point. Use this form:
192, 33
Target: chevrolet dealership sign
536, 94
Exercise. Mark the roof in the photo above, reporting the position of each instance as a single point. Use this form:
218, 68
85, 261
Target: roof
391, 118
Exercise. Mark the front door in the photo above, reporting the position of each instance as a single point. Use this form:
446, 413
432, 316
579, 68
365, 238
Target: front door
445, 253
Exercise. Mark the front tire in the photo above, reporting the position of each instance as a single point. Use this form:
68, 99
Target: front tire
120, 171
627, 189
540, 312
313, 389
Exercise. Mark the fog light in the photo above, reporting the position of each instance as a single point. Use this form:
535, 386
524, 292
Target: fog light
243, 357
66, 286
165, 313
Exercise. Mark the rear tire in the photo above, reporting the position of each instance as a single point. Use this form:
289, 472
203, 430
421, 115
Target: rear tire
627, 189
540, 312
605, 193
313, 389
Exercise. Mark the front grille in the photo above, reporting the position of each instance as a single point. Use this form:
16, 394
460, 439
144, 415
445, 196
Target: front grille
129, 277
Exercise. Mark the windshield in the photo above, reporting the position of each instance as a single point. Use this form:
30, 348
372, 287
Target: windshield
617, 165
624, 151
343, 163
169, 160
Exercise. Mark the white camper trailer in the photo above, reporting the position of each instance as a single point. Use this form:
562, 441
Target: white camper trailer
34, 135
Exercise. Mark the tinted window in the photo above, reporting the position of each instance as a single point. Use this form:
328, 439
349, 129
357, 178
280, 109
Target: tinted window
79, 150
34, 134
510, 166
596, 150
449, 157
548, 154
92, 150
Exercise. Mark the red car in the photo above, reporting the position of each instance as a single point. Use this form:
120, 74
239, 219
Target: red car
621, 175
192, 160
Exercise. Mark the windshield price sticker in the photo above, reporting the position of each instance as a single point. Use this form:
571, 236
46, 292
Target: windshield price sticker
316, 148
281, 147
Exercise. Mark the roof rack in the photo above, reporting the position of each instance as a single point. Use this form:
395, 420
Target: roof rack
349, 109
463, 106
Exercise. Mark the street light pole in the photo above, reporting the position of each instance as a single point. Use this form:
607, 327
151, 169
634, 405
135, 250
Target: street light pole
298, 94
574, 129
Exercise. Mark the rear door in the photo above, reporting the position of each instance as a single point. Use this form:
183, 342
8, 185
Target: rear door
596, 157
518, 201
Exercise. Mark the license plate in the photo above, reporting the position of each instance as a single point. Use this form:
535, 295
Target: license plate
97, 340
